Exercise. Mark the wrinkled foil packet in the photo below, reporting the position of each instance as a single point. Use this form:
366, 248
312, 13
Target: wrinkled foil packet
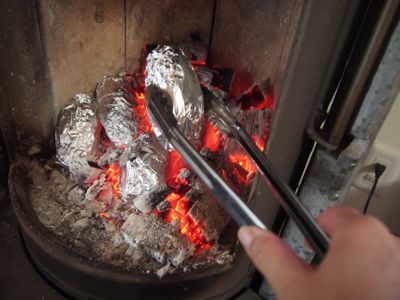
116, 111
141, 170
168, 69
77, 133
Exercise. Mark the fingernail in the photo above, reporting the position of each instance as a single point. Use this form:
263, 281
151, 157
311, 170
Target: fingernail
246, 236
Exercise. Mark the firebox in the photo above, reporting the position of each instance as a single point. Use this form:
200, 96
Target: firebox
106, 208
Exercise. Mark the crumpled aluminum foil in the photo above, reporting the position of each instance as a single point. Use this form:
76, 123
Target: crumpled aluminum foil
168, 69
76, 135
142, 171
116, 111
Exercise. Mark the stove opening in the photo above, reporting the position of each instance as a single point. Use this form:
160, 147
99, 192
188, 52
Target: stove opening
118, 193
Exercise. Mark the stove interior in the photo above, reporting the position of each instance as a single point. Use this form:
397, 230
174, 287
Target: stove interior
101, 178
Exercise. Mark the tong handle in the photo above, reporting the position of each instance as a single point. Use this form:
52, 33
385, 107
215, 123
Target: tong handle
284, 194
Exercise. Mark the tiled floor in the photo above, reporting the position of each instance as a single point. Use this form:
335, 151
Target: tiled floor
18, 278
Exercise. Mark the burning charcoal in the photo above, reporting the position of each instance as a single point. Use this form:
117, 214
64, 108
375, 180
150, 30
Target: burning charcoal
159, 193
197, 54
207, 211
169, 70
259, 95
145, 203
214, 218
116, 111
210, 156
222, 78
163, 206
160, 240
240, 167
184, 177
205, 75
77, 133
194, 194
257, 123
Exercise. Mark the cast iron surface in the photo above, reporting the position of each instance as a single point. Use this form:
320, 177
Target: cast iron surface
81, 277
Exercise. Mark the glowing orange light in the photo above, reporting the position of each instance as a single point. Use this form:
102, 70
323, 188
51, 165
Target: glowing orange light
260, 143
106, 217
193, 230
175, 164
112, 176
180, 205
245, 163
259, 97
141, 112
198, 63
212, 137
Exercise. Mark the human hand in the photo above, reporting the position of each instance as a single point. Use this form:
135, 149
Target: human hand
362, 262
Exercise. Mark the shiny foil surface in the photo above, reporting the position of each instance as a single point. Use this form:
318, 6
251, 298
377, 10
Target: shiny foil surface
76, 135
142, 171
168, 69
116, 111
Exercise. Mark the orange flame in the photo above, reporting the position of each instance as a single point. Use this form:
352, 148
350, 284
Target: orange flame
112, 176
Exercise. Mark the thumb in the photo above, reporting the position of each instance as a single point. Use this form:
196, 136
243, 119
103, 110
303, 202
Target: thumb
273, 258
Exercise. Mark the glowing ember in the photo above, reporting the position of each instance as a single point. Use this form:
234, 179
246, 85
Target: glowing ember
259, 97
180, 205
247, 168
212, 137
141, 112
260, 143
193, 230
112, 176
106, 217
175, 164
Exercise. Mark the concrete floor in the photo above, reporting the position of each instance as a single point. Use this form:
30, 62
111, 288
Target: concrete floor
18, 278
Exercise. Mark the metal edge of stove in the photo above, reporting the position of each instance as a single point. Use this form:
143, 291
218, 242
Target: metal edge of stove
312, 65
311, 73
331, 173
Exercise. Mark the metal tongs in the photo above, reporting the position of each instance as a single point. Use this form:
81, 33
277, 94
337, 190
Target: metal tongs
161, 110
